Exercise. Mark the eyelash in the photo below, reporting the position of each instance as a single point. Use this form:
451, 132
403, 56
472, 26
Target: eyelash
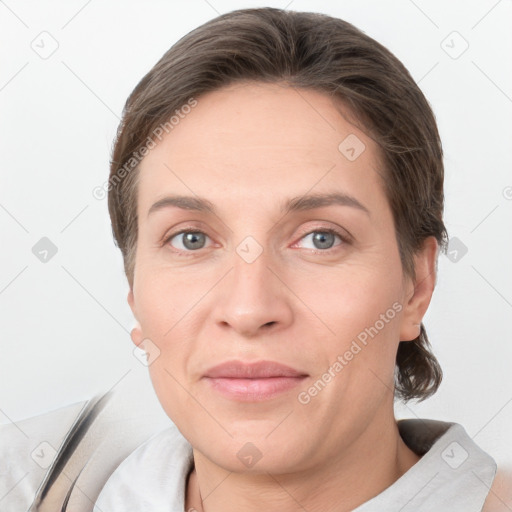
344, 239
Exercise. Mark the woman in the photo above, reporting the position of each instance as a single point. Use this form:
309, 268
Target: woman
276, 190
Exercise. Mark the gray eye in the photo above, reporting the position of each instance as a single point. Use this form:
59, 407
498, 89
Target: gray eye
190, 240
193, 240
320, 240
323, 240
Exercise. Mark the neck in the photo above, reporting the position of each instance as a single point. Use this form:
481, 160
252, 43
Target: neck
374, 462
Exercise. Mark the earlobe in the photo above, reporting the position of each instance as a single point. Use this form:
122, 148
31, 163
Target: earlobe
136, 335
416, 302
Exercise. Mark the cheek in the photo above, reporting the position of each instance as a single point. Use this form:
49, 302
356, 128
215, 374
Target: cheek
171, 389
165, 311
165, 297
352, 298
358, 317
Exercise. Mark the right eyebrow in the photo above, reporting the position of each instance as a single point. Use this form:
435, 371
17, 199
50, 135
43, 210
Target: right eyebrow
184, 202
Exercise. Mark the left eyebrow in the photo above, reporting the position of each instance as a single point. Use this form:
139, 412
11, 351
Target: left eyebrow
294, 204
311, 201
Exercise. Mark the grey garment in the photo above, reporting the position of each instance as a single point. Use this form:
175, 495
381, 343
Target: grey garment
454, 474
152, 478
60, 460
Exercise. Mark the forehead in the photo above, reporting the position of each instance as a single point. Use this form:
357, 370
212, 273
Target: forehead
252, 139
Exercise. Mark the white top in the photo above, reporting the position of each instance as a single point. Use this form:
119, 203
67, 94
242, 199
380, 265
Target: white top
454, 474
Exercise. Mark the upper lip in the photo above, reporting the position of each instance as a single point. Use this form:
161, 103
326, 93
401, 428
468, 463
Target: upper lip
257, 370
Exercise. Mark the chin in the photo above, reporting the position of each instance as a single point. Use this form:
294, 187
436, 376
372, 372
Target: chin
255, 454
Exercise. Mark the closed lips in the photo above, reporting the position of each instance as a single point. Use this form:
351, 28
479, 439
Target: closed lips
258, 370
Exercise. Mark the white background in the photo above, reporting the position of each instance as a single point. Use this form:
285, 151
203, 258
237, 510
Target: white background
65, 323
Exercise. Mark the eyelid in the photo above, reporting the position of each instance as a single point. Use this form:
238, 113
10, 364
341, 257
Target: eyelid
345, 237
190, 229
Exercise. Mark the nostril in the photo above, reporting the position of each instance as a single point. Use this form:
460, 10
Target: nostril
269, 324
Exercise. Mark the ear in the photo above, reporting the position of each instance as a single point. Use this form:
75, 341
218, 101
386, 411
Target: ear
136, 333
419, 293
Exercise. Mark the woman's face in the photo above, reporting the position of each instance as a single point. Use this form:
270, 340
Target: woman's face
269, 274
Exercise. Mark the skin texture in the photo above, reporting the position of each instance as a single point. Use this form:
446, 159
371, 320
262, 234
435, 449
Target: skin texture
499, 498
248, 148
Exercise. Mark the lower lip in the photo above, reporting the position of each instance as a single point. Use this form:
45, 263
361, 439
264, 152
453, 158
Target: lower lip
253, 390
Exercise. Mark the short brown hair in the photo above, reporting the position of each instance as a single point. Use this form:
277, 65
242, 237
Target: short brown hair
309, 51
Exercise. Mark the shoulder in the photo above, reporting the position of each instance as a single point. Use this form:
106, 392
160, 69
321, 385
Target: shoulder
453, 466
27, 450
152, 477
65, 456
499, 498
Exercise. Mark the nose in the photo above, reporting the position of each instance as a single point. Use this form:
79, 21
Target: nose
253, 299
